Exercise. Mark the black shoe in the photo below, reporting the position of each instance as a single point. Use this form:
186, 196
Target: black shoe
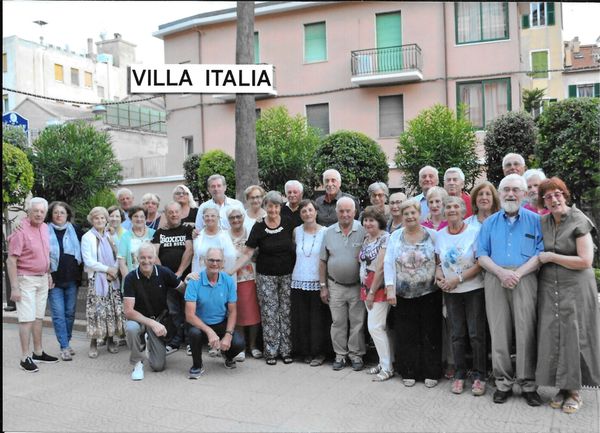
501, 396
230, 363
29, 366
357, 364
532, 398
44, 357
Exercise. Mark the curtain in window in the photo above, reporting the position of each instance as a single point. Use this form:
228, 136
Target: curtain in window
471, 95
493, 20
468, 22
496, 99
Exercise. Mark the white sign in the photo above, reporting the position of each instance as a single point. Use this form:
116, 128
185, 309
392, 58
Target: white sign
201, 79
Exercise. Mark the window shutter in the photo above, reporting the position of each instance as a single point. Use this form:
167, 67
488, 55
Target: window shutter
317, 115
525, 21
391, 116
596, 90
315, 43
550, 13
572, 91
256, 49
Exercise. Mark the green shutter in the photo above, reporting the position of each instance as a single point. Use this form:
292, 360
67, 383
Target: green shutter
596, 90
315, 44
539, 62
572, 91
389, 34
550, 13
525, 21
256, 49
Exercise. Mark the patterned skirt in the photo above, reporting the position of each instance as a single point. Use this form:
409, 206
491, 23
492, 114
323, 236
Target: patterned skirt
105, 315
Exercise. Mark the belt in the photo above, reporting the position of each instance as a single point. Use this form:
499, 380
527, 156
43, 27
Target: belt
342, 284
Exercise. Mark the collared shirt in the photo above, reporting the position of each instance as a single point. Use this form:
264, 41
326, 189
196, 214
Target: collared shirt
211, 300
292, 215
227, 204
31, 245
511, 244
341, 252
326, 215
424, 208
150, 293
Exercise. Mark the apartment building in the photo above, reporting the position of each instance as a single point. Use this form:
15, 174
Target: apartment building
581, 76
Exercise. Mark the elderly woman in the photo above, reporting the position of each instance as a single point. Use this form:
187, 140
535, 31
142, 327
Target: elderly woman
378, 195
254, 196
104, 306
568, 313
151, 203
409, 271
395, 221
484, 201
131, 240
372, 290
436, 197
248, 313
459, 276
212, 236
310, 334
189, 207
274, 266
533, 177
65, 265
116, 216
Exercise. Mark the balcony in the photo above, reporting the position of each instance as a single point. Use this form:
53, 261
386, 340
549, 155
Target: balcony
400, 64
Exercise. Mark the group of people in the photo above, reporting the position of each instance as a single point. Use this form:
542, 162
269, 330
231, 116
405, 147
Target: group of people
440, 268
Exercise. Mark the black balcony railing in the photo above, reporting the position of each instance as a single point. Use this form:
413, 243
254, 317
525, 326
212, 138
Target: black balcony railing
386, 60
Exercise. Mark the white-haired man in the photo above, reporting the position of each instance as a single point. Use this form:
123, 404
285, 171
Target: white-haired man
294, 192
217, 186
428, 178
125, 199
28, 267
513, 163
326, 204
454, 183
509, 245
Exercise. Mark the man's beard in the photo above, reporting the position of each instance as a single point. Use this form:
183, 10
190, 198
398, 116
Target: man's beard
510, 206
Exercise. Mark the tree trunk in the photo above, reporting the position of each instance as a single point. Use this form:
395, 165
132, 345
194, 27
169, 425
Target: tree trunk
246, 164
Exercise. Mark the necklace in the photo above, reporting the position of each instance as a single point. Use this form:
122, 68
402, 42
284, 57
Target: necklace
142, 235
459, 230
312, 245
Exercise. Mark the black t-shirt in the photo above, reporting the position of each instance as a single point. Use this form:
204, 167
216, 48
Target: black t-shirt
190, 220
276, 255
293, 216
172, 246
150, 293
68, 269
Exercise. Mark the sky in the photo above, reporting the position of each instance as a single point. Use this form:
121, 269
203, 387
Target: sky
73, 22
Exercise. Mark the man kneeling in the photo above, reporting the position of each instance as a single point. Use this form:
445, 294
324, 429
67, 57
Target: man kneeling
210, 307
145, 303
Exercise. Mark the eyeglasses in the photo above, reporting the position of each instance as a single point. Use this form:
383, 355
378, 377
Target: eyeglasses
236, 217
255, 197
513, 164
180, 193
396, 202
556, 194
508, 189
214, 260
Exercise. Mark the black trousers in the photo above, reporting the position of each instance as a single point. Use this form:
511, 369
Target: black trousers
311, 323
198, 338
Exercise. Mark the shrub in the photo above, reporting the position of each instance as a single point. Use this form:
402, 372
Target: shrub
510, 132
358, 158
81, 208
17, 175
438, 138
14, 135
532, 100
215, 162
190, 173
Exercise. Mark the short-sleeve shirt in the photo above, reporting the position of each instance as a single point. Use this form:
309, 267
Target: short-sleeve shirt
150, 294
172, 246
276, 255
31, 245
129, 246
293, 215
211, 301
341, 253
457, 255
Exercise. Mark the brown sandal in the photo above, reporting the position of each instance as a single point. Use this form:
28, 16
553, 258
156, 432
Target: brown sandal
572, 404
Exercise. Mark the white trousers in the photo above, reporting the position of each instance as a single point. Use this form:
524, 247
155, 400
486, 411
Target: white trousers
377, 325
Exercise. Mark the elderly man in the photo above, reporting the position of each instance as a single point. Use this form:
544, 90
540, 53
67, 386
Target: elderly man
340, 285
509, 244
428, 178
211, 309
28, 267
326, 204
216, 187
454, 182
145, 302
174, 250
125, 199
513, 163
293, 191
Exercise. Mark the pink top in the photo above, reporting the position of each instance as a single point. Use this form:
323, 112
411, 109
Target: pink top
543, 211
429, 224
32, 247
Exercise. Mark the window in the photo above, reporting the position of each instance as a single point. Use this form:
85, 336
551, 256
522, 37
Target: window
58, 72
188, 145
480, 21
75, 77
540, 14
485, 100
257, 112
315, 43
391, 116
4, 103
591, 90
101, 91
317, 115
539, 64
4, 62
87, 79
256, 49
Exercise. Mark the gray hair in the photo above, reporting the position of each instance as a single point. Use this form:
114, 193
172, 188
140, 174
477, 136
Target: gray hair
428, 167
210, 206
437, 190
150, 196
295, 183
513, 155
273, 197
220, 250
533, 172
122, 191
343, 200
215, 177
95, 211
455, 170
413, 202
514, 176
378, 185
38, 200
147, 245
334, 172
192, 202
168, 205
233, 209
455, 200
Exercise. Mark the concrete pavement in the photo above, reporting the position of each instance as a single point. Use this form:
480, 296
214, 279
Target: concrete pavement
98, 395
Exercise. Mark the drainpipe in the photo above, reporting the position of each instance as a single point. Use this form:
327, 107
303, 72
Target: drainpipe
445, 56
201, 96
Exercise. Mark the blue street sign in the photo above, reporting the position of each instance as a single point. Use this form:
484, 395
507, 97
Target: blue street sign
16, 119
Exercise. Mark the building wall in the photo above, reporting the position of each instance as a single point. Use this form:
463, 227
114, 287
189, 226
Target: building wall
577, 78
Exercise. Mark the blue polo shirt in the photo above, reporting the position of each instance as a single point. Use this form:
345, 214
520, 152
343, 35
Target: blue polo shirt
511, 244
211, 301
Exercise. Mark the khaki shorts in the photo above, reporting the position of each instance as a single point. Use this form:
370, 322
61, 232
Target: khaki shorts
34, 294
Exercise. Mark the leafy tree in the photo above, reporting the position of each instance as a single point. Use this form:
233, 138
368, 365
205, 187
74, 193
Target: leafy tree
73, 162
358, 158
515, 132
438, 138
215, 162
532, 99
286, 146
17, 175
14, 135
190, 173
81, 208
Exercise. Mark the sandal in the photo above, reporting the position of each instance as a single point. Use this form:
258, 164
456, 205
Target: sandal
374, 370
383, 375
271, 361
307, 359
93, 352
288, 359
111, 346
317, 361
558, 400
256, 354
572, 404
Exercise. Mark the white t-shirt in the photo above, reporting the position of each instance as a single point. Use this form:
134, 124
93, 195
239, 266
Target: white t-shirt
205, 241
473, 221
457, 254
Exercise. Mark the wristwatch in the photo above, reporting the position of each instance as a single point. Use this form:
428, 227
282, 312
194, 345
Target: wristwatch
229, 332
323, 284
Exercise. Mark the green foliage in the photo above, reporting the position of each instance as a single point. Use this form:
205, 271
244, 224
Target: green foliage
285, 149
438, 138
532, 99
17, 175
14, 135
569, 146
81, 208
358, 158
72, 162
215, 162
190, 173
515, 132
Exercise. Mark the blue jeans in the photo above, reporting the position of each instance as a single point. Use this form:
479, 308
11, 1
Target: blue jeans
63, 300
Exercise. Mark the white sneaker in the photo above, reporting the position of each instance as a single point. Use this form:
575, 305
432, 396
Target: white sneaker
213, 353
430, 383
240, 357
409, 382
138, 371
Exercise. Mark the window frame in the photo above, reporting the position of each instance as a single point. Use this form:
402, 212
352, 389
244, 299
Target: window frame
482, 40
323, 133
310, 62
5, 102
76, 82
538, 6
187, 141
482, 83
586, 85
4, 62
532, 73
85, 75
380, 135
59, 67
